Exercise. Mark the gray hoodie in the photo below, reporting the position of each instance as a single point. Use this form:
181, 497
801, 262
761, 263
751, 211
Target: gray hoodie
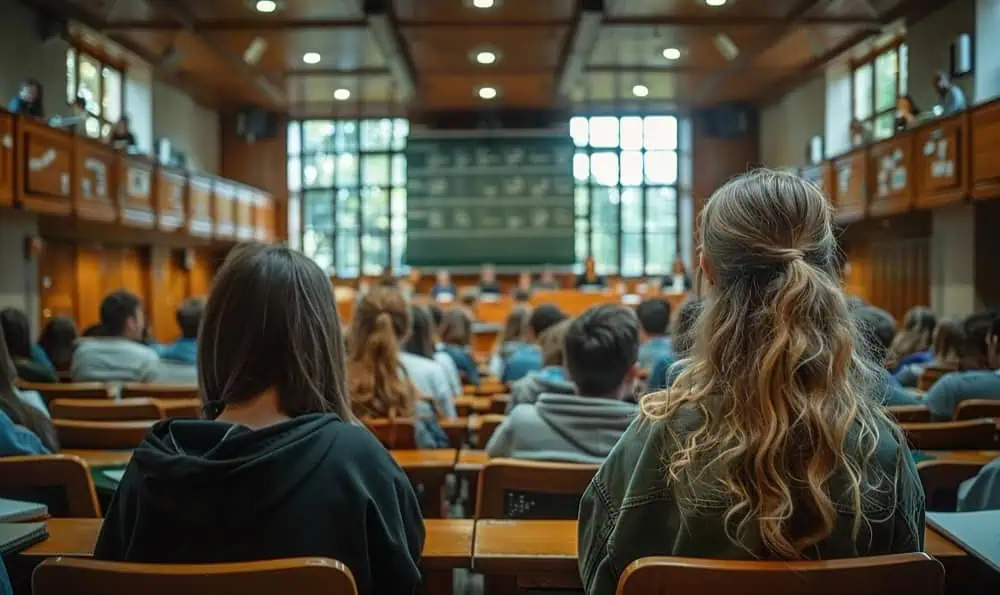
547, 380
565, 428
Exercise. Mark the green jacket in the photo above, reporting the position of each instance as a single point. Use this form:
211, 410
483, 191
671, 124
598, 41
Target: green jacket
630, 511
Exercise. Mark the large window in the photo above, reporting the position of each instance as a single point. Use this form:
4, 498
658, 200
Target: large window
100, 84
877, 81
626, 171
349, 178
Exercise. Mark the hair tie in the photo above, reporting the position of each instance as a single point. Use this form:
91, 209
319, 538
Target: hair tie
790, 255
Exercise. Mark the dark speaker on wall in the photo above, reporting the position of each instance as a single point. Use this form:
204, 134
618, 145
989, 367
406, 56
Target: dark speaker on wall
254, 123
50, 26
731, 120
962, 56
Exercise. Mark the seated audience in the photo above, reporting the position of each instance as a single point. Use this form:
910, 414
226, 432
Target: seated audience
443, 288
946, 344
981, 492
280, 427
979, 377
912, 343
121, 136
30, 362
117, 355
529, 358
75, 122
185, 350
58, 341
766, 446
670, 365
679, 280
907, 112
589, 279
524, 285
456, 334
488, 284
421, 343
513, 337
386, 382
877, 328
654, 326
952, 96
552, 378
600, 350
547, 280
28, 101
861, 133
25, 427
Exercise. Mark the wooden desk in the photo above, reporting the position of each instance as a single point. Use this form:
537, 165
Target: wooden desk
981, 457
428, 468
101, 458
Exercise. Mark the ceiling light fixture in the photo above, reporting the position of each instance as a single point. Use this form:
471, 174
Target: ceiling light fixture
487, 93
672, 54
716, 2
342, 94
483, 3
311, 58
266, 6
640, 90
486, 57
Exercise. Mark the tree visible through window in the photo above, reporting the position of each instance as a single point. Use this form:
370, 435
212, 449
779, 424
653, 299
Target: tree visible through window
100, 85
877, 82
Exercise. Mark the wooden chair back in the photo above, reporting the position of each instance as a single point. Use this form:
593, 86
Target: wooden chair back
61, 482
913, 574
100, 435
487, 425
181, 408
457, 430
930, 375
106, 409
159, 391
941, 480
514, 489
316, 576
398, 433
69, 390
978, 409
910, 414
499, 404
975, 434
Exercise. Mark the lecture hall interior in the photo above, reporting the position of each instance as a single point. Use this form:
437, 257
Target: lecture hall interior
546, 232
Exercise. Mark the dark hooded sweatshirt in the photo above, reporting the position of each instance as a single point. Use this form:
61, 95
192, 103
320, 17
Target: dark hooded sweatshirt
200, 491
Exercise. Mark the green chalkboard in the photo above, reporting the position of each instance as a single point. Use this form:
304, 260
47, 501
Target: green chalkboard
501, 197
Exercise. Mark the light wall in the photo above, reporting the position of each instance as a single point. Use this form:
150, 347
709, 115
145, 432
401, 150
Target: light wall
191, 128
787, 126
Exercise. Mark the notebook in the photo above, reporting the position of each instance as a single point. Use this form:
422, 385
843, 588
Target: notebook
975, 532
16, 537
12, 511
114, 474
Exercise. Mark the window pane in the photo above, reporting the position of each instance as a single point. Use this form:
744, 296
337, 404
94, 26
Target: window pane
376, 209
347, 170
631, 132
318, 171
582, 228
400, 131
318, 210
885, 81
661, 167
376, 135
70, 75
581, 167
863, 92
578, 131
660, 252
631, 168
399, 170
294, 138
93, 127
904, 68
375, 249
631, 205
606, 252
604, 131
604, 168
631, 254
90, 85
347, 210
346, 137
661, 209
398, 207
319, 136
105, 130
885, 125
604, 209
294, 174
375, 170
112, 94
348, 260
318, 245
398, 241
661, 132
582, 200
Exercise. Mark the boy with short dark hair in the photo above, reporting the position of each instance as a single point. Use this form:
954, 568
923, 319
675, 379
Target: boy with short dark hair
980, 376
529, 359
654, 331
118, 355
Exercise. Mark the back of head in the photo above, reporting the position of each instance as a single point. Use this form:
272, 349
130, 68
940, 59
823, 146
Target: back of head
57, 339
877, 327
654, 316
381, 322
543, 317
456, 327
421, 340
17, 410
976, 332
774, 376
916, 333
948, 340
553, 344
522, 295
17, 330
601, 348
437, 314
189, 317
683, 330
271, 322
116, 309
516, 324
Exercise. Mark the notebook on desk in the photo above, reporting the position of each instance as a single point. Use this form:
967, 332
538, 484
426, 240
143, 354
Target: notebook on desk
16, 537
13, 511
975, 532
114, 474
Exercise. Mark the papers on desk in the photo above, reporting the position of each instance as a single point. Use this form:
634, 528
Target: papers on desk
975, 532
114, 475
17, 537
13, 511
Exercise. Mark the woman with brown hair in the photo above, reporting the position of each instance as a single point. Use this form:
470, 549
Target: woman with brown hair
946, 348
513, 337
280, 468
912, 343
769, 445
456, 334
32, 431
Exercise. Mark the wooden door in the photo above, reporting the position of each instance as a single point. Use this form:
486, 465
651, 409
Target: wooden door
57, 280
90, 270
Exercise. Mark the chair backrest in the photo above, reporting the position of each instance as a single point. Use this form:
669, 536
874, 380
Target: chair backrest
487, 425
974, 434
941, 480
978, 409
100, 434
317, 576
398, 433
159, 391
930, 375
70, 390
512, 489
499, 404
106, 409
910, 414
457, 430
182, 408
913, 574
61, 482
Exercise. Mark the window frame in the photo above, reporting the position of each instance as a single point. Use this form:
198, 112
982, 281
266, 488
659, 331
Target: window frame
897, 45
104, 60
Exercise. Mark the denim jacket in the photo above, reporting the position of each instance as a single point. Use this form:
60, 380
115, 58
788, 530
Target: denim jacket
630, 511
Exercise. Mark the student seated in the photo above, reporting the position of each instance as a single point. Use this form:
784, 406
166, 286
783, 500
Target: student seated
385, 381
421, 343
488, 284
58, 341
30, 362
769, 445
600, 350
979, 377
513, 337
529, 358
118, 355
552, 378
654, 327
981, 492
29, 100
444, 289
668, 367
178, 359
877, 327
280, 429
523, 283
946, 345
547, 280
25, 427
590, 279
912, 343
456, 334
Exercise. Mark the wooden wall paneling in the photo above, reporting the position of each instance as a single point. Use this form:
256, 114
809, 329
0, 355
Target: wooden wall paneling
891, 175
987, 280
253, 163
171, 198
162, 303
851, 185
8, 133
90, 280
137, 188
985, 158
820, 174
96, 172
45, 162
223, 194
200, 207
201, 272
57, 279
942, 157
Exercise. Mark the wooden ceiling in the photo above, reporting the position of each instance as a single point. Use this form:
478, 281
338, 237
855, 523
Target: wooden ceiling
399, 55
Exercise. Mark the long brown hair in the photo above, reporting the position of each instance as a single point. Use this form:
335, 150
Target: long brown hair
947, 342
775, 377
18, 411
374, 372
916, 333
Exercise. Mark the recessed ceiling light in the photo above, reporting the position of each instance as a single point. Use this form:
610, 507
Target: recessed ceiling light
640, 90
311, 58
266, 6
716, 2
483, 3
487, 92
486, 57
342, 94
672, 54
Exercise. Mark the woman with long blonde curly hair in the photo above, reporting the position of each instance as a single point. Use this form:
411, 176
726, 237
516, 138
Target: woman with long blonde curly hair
769, 444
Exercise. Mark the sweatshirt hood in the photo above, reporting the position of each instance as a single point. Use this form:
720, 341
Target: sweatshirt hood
590, 424
205, 473
552, 379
